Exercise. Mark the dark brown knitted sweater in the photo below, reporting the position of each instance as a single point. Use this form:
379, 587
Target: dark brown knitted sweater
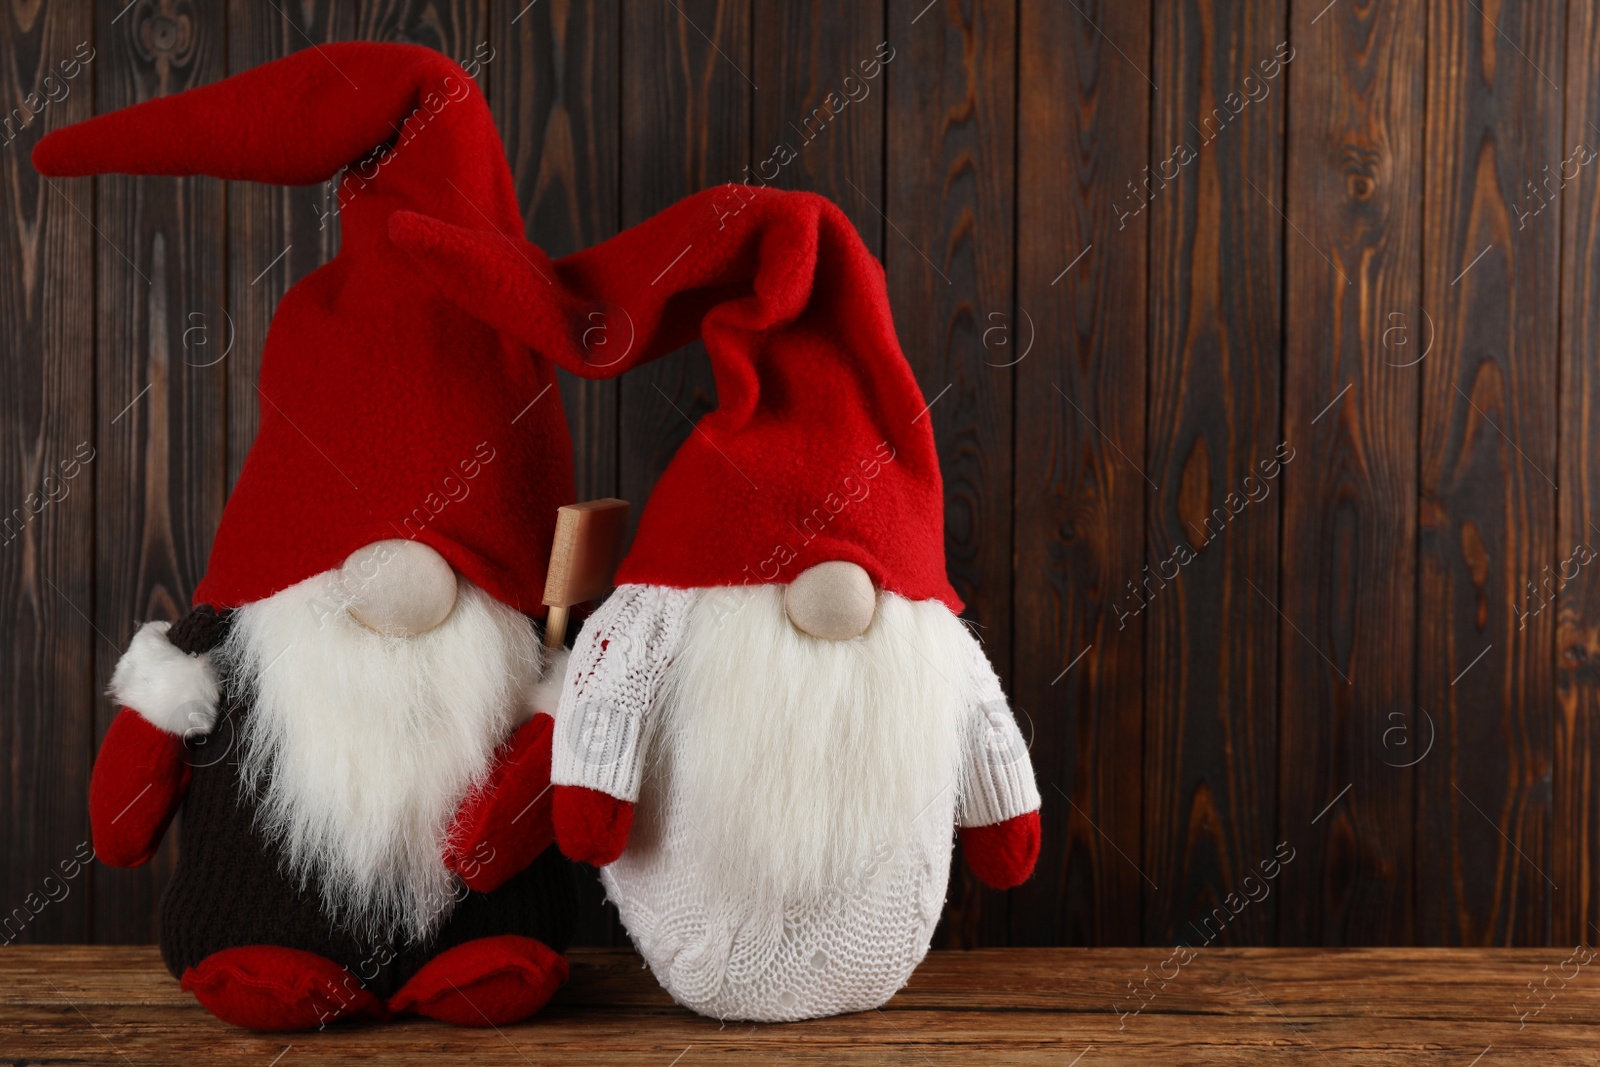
230, 889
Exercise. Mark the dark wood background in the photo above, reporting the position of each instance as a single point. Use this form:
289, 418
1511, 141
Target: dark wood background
1371, 268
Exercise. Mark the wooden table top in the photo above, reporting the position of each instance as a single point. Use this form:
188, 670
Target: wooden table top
1462, 1007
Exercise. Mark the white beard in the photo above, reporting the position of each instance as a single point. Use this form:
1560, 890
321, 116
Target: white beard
359, 747
798, 762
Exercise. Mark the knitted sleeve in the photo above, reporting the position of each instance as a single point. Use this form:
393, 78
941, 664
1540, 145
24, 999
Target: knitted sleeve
996, 775
613, 678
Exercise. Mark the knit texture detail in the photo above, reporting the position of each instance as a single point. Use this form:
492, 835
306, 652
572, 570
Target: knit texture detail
601, 719
997, 777
733, 947
724, 951
201, 630
230, 889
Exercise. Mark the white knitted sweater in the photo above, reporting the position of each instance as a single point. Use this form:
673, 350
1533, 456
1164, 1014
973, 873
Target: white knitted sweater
724, 939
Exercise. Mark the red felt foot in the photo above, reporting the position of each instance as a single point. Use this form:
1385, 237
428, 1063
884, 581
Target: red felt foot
268, 987
503, 827
492, 981
138, 783
591, 826
1003, 855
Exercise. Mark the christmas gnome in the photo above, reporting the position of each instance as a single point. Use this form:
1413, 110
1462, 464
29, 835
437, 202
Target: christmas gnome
769, 730
355, 717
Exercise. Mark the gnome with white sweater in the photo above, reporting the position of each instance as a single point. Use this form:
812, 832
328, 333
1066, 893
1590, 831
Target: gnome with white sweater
771, 729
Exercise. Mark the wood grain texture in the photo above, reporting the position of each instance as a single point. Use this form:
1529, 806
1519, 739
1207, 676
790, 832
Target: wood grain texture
686, 107
1216, 247
554, 92
454, 27
1348, 725
1575, 758
1015, 1006
162, 468
1406, 184
555, 100
276, 234
47, 481
1083, 132
1488, 496
819, 118
949, 256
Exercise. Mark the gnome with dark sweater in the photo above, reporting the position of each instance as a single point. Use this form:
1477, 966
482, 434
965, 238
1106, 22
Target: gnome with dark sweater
355, 717
770, 729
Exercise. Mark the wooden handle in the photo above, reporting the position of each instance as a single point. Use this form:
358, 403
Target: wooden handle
555, 626
583, 559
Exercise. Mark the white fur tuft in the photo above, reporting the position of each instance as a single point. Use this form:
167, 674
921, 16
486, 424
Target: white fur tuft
360, 746
545, 694
796, 760
169, 687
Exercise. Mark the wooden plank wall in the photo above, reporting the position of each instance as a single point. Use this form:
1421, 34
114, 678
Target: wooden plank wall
1260, 342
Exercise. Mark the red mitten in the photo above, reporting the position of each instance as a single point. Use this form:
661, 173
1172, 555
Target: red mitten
501, 828
1003, 855
591, 826
139, 780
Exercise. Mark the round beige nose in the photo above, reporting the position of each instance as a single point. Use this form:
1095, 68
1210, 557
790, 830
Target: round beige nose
399, 588
833, 600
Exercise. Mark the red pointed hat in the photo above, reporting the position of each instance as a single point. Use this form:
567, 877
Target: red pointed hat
387, 411
820, 447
